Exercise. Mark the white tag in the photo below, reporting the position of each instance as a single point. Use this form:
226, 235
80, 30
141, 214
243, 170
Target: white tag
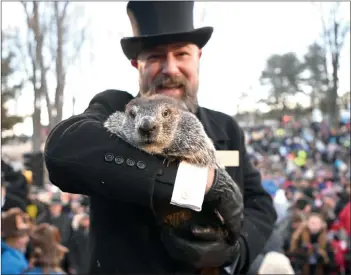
228, 158
190, 186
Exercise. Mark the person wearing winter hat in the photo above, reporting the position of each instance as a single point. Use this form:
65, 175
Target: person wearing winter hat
276, 263
15, 229
57, 217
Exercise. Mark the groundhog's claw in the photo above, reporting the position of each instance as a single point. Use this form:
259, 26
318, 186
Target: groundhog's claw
167, 161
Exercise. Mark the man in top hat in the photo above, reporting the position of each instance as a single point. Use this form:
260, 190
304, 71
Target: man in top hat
124, 183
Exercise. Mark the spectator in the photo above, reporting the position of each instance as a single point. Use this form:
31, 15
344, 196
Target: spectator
17, 185
303, 206
310, 241
15, 229
47, 253
344, 218
275, 263
79, 243
55, 216
60, 219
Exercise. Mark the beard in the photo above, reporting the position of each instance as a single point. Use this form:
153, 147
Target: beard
188, 97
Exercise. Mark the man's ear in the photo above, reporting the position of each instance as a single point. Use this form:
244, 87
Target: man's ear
200, 53
134, 63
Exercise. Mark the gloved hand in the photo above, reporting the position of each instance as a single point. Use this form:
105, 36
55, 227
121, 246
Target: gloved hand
204, 249
228, 200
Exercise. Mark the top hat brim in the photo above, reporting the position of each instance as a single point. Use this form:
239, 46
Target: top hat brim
133, 46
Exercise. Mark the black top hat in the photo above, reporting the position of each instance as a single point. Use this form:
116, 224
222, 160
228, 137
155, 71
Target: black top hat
162, 22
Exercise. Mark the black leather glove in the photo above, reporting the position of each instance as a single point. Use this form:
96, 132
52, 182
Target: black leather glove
228, 202
204, 249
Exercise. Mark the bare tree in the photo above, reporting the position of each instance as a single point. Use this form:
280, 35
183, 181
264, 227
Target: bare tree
54, 41
35, 43
335, 30
63, 60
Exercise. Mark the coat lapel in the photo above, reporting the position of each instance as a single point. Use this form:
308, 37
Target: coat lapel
217, 134
213, 130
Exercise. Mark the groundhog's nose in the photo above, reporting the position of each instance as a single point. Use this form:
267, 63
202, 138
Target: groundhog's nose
147, 126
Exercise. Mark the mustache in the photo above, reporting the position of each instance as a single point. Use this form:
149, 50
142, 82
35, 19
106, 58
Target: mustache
162, 81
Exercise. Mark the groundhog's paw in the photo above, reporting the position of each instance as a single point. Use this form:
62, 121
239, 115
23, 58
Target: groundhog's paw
168, 160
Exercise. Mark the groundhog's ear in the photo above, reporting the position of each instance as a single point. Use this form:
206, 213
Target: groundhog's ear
128, 106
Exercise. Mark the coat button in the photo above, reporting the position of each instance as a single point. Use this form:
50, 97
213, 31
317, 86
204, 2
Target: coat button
130, 162
119, 160
109, 157
141, 165
160, 172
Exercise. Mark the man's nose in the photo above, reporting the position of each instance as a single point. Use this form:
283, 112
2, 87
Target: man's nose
170, 66
147, 126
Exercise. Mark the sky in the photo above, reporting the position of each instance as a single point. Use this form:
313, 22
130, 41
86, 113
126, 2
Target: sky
245, 35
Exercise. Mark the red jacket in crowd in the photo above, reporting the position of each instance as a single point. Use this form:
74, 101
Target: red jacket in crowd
344, 218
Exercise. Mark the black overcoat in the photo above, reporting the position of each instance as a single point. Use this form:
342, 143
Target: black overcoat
79, 156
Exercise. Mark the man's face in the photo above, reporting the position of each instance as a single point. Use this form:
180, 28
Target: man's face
22, 243
55, 209
85, 222
172, 70
314, 224
329, 201
65, 197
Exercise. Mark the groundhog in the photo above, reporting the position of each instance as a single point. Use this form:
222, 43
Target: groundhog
161, 125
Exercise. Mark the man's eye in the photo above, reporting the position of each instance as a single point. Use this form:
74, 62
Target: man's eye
183, 54
154, 56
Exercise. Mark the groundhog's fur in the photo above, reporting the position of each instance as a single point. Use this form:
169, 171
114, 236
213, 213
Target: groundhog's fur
178, 133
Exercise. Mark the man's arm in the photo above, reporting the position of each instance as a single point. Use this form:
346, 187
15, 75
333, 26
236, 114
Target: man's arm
259, 213
82, 157
254, 221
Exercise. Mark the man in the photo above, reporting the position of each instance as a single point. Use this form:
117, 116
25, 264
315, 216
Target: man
57, 217
79, 243
16, 187
124, 183
48, 252
15, 229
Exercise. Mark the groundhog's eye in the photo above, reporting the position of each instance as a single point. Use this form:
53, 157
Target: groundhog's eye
165, 113
132, 113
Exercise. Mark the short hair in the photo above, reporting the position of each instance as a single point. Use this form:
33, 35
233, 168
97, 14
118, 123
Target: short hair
301, 204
